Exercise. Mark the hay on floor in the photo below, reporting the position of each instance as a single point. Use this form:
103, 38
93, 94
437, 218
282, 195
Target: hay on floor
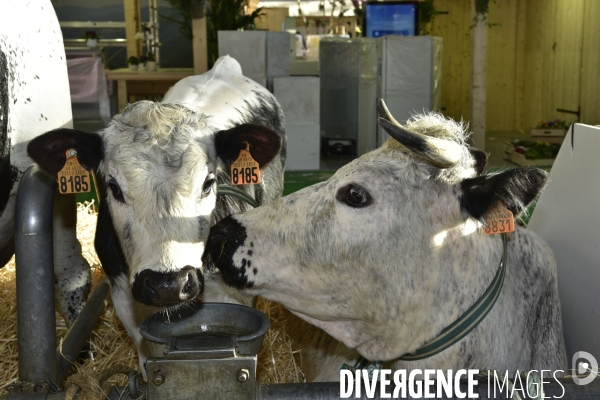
110, 344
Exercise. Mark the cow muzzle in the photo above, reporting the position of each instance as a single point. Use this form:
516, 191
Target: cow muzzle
167, 289
223, 242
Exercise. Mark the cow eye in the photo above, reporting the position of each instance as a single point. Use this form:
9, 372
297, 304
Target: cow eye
208, 184
116, 190
354, 196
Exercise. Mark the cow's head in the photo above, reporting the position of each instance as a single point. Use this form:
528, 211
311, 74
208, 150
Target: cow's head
386, 253
158, 165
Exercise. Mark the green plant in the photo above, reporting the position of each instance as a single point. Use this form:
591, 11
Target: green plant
227, 15
184, 8
427, 13
482, 8
133, 60
222, 15
536, 150
553, 124
151, 56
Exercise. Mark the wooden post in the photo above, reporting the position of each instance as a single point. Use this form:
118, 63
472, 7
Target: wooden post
200, 45
133, 25
478, 77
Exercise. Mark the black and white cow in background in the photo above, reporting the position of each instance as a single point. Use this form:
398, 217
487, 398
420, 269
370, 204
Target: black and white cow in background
390, 251
34, 98
159, 165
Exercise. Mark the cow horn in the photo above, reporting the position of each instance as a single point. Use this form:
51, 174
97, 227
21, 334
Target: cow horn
439, 152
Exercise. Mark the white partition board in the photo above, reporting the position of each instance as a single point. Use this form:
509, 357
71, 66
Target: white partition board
567, 216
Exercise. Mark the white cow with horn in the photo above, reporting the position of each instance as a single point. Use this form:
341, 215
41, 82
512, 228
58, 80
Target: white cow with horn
390, 252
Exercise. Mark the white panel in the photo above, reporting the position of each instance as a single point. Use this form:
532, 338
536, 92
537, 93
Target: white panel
249, 48
278, 54
567, 217
299, 98
303, 145
407, 77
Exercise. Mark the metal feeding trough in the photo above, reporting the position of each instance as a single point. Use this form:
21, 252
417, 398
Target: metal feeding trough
214, 345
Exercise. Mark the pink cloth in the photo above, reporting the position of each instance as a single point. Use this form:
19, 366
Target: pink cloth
87, 81
84, 79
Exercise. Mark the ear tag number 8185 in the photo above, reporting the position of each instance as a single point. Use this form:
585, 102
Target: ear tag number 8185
73, 178
245, 170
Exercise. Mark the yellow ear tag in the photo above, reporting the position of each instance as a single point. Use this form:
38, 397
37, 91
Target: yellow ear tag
498, 220
245, 171
73, 178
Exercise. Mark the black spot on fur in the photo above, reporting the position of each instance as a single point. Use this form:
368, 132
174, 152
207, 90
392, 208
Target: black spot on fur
6, 182
106, 242
224, 240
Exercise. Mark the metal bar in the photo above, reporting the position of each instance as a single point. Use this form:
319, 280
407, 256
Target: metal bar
577, 113
92, 24
102, 42
81, 329
36, 323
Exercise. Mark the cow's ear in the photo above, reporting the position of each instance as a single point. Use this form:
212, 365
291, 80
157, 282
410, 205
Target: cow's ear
264, 143
480, 160
515, 188
48, 150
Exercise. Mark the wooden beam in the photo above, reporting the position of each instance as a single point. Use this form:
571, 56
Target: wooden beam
200, 45
132, 26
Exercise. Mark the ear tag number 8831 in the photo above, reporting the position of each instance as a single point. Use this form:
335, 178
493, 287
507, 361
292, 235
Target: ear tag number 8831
73, 178
498, 220
245, 170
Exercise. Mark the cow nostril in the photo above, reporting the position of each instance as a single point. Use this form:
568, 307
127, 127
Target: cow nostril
189, 284
150, 289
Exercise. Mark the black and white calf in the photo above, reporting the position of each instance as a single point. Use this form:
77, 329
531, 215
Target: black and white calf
159, 165
390, 251
35, 98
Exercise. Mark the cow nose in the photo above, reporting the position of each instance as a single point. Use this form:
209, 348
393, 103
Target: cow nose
166, 289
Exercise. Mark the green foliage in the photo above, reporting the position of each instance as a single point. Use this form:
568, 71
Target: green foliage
536, 150
222, 15
184, 8
427, 11
482, 8
553, 124
227, 15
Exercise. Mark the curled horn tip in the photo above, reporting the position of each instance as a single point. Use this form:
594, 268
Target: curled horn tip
385, 113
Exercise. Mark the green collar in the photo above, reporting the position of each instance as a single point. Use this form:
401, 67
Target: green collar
228, 190
459, 328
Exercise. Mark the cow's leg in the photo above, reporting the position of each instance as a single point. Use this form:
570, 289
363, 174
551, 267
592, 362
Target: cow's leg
72, 272
131, 313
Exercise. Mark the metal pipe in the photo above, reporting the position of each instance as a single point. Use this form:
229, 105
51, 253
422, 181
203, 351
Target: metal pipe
81, 329
36, 323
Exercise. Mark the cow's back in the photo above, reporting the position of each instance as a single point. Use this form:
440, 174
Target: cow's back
227, 96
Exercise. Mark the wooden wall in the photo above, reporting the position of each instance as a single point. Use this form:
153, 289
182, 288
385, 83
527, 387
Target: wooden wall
542, 55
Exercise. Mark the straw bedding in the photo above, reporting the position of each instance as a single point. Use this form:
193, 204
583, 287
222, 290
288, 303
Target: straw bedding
278, 362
